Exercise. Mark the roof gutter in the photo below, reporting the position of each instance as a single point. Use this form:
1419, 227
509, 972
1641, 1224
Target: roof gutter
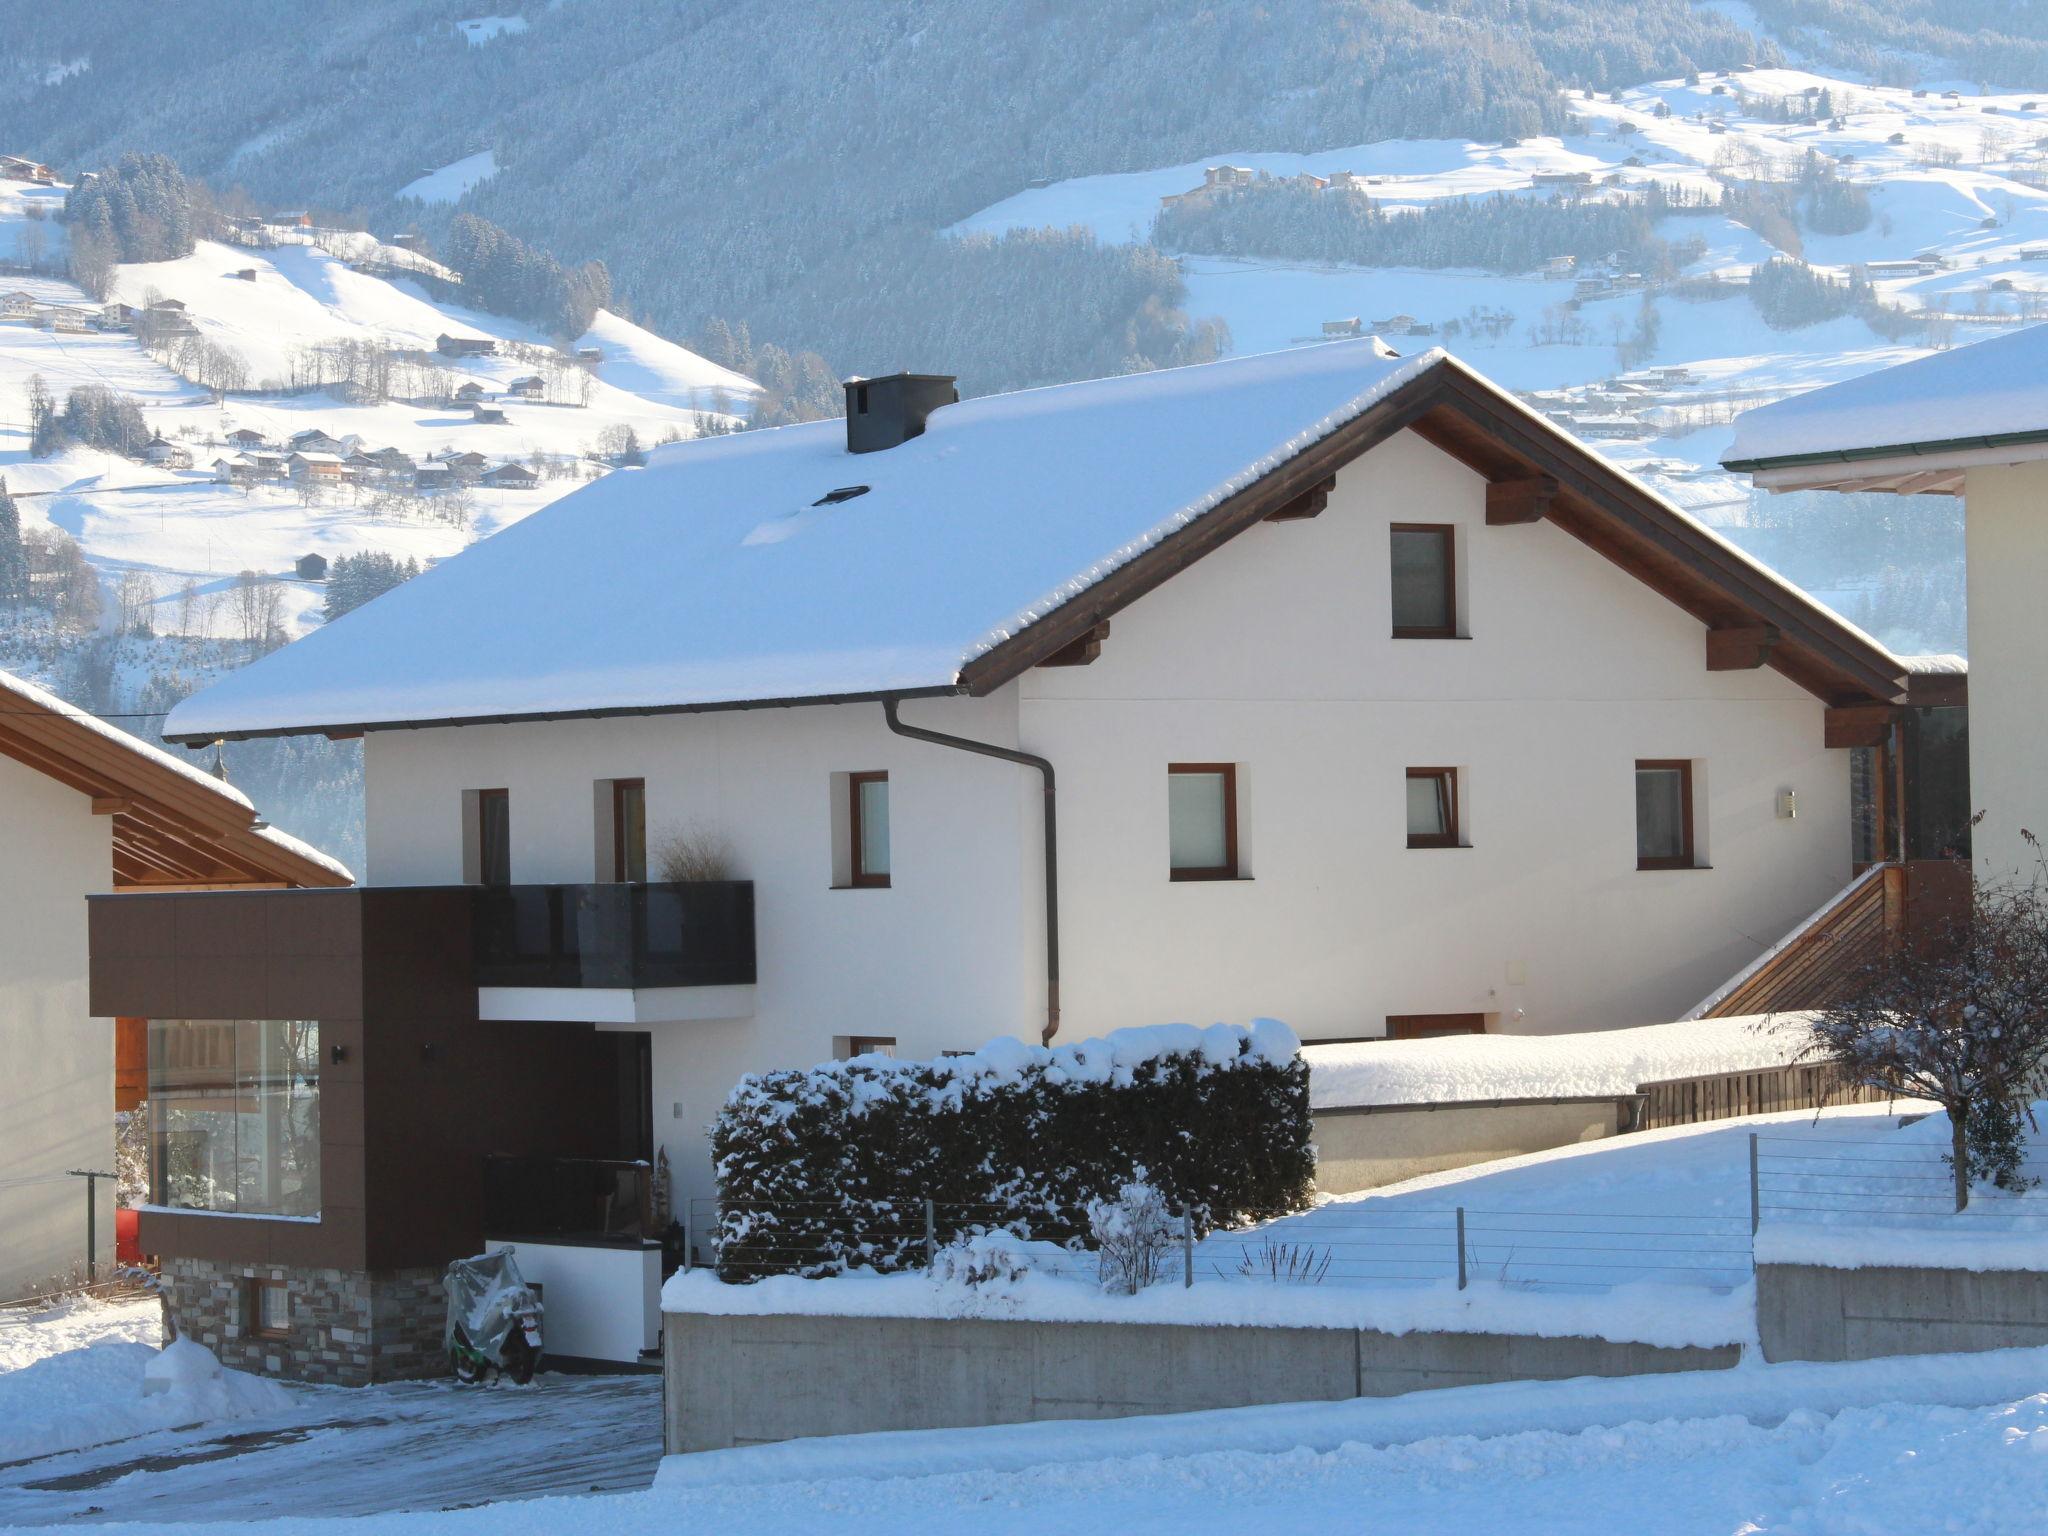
1052, 866
1928, 449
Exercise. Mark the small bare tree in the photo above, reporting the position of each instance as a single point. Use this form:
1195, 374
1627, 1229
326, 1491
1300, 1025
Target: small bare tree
1957, 1013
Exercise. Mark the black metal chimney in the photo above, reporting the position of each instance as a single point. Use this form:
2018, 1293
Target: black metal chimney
880, 413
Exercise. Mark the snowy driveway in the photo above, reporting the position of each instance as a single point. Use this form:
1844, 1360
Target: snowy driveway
340, 1451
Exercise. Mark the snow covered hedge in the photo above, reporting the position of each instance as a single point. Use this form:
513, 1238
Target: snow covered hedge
829, 1169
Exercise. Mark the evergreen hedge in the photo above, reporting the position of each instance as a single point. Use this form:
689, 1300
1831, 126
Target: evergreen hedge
828, 1169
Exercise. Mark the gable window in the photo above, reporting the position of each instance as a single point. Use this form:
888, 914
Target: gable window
1425, 581
1664, 827
1201, 814
868, 822
492, 835
629, 829
1433, 808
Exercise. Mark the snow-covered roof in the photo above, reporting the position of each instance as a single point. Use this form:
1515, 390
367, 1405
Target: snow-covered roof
1971, 397
711, 576
723, 573
1596, 1064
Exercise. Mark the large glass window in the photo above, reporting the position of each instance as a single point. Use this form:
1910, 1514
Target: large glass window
234, 1115
629, 829
1201, 818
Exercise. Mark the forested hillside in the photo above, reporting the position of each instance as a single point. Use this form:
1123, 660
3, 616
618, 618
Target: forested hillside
784, 165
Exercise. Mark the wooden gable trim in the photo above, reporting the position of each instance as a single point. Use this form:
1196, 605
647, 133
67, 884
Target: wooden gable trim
1542, 474
1857, 725
1297, 477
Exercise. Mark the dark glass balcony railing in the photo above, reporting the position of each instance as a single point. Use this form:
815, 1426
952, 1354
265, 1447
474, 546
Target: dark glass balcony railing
695, 935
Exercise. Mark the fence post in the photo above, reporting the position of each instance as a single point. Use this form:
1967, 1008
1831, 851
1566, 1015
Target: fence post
1461, 1247
1187, 1245
1755, 1208
931, 1237
92, 1177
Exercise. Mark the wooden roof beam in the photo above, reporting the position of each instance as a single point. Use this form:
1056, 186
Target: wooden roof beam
1740, 647
1857, 725
1524, 500
1309, 503
1080, 652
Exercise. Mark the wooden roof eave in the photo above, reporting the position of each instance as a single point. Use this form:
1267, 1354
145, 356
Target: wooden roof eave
1461, 414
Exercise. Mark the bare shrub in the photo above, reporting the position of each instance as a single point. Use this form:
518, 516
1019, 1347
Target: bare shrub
1285, 1263
691, 856
1133, 1234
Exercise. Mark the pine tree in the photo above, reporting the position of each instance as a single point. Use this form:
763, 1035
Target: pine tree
13, 556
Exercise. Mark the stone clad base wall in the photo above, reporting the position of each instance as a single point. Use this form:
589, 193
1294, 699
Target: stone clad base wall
745, 1380
348, 1327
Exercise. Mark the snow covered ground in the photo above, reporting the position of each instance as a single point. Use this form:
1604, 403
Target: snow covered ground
1955, 1443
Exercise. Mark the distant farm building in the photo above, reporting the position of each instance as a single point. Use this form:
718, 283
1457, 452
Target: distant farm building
464, 346
310, 567
14, 168
510, 477
532, 387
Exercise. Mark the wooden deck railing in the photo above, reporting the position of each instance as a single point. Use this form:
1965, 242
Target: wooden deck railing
1724, 1096
1808, 967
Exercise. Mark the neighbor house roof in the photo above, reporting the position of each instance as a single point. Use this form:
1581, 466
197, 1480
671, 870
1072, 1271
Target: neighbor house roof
723, 575
172, 824
1913, 427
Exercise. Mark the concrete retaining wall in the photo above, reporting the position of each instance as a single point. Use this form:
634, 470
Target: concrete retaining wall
1806, 1312
744, 1380
1363, 1150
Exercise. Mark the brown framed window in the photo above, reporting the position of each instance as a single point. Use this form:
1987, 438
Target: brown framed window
1664, 836
629, 829
870, 1045
494, 837
1201, 816
1433, 808
1428, 1026
868, 827
270, 1308
1425, 581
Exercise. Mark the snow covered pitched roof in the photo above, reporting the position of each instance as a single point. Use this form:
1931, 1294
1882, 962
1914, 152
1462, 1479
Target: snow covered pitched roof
1983, 398
172, 823
727, 572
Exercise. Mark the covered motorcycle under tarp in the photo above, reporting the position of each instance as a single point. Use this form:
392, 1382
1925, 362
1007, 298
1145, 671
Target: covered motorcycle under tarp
493, 1318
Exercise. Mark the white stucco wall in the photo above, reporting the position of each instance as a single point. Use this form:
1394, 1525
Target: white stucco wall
1273, 654
2006, 543
56, 1062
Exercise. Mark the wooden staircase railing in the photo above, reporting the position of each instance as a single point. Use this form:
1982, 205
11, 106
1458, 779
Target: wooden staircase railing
1809, 965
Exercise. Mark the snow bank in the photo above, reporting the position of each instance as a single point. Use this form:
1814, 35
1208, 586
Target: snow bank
1594, 1064
1640, 1313
1761, 1394
90, 1396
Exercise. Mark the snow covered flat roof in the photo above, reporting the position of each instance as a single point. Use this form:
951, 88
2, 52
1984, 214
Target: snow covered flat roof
712, 576
1972, 397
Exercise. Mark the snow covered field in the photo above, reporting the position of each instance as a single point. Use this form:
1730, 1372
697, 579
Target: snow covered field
1962, 181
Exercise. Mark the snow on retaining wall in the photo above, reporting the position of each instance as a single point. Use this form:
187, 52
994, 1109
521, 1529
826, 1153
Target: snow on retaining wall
1596, 1064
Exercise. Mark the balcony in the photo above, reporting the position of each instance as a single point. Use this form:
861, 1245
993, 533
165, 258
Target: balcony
616, 954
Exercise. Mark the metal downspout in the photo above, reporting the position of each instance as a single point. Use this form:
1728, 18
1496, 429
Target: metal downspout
1052, 864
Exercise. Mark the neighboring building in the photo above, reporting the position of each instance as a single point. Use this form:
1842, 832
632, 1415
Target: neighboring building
86, 809
487, 415
1335, 330
431, 476
1415, 715
464, 346
314, 440
318, 466
17, 303
509, 477
469, 393
1972, 422
246, 437
14, 168
310, 567
166, 454
531, 387
466, 465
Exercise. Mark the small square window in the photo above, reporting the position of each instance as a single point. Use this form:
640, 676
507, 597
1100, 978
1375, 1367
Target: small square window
1664, 829
868, 825
1432, 808
1425, 581
1201, 814
270, 1308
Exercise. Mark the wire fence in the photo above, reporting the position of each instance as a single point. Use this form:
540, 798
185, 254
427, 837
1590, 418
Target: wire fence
1886, 1182
1341, 1246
